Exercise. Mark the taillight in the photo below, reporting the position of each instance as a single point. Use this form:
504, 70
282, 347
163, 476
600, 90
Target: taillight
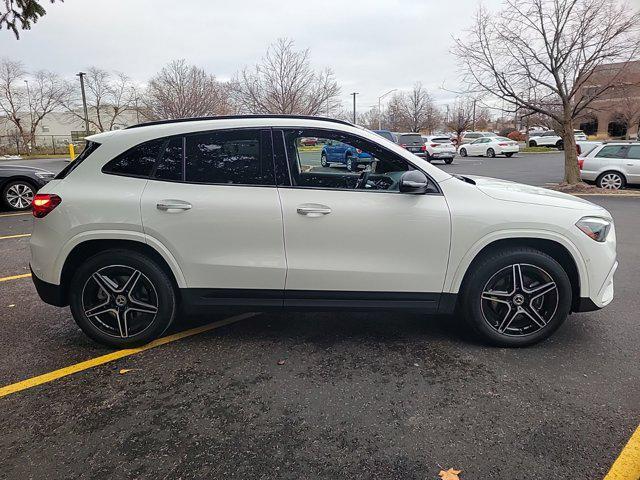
423, 148
580, 163
434, 145
358, 151
578, 149
403, 145
43, 203
503, 144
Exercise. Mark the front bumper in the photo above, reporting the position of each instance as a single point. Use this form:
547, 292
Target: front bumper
48, 292
603, 297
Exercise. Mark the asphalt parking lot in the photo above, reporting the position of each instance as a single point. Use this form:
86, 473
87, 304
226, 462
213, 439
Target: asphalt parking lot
323, 395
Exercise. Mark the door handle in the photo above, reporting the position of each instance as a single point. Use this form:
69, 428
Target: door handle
313, 210
166, 205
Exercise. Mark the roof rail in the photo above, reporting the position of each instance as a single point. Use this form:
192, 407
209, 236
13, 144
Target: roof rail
232, 117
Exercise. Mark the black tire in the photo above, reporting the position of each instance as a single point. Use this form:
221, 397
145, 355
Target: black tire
463, 152
428, 158
533, 143
17, 195
161, 293
448, 161
610, 179
351, 166
478, 312
509, 155
323, 161
491, 153
560, 145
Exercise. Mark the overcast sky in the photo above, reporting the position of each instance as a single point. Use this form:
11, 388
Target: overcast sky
371, 45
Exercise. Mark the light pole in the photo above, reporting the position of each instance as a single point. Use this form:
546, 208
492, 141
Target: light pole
30, 114
380, 107
84, 103
354, 106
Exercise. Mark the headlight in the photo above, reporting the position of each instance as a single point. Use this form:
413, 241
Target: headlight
45, 175
595, 227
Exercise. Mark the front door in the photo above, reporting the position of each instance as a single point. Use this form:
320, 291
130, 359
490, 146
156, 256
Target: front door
351, 238
213, 204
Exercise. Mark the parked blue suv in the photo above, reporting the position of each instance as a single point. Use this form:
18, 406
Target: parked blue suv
338, 152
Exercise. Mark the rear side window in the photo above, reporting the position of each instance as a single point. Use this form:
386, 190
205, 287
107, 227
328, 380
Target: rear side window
634, 152
137, 161
89, 148
611, 151
228, 157
171, 160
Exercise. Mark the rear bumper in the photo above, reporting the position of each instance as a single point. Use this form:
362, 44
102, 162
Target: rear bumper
48, 292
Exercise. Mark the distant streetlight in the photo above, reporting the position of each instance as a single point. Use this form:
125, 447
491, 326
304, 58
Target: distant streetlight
84, 103
30, 113
380, 107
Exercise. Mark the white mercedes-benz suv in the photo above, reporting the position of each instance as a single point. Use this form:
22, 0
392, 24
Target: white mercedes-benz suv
191, 215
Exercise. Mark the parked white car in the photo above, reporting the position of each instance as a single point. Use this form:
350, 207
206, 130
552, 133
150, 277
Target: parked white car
439, 147
489, 147
580, 135
612, 165
552, 139
232, 211
468, 137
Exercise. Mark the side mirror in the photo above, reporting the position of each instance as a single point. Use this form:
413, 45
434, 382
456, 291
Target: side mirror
413, 181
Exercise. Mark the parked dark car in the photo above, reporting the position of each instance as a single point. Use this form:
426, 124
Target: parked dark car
19, 183
412, 142
386, 134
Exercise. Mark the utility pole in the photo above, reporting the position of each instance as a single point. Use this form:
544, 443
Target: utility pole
354, 106
380, 107
31, 132
473, 126
84, 103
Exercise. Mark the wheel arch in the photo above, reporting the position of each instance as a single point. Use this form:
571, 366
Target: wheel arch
85, 249
561, 250
5, 181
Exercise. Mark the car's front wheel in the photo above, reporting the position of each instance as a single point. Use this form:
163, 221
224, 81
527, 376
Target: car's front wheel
351, 165
491, 153
122, 298
18, 194
509, 155
323, 160
516, 297
463, 152
533, 143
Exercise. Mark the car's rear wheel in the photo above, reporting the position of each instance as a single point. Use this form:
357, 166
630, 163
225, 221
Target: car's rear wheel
122, 298
509, 155
560, 145
611, 181
516, 297
429, 158
18, 194
533, 143
448, 161
323, 160
463, 152
351, 166
491, 153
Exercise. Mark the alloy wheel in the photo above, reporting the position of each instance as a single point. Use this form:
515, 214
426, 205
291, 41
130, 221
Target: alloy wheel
19, 196
611, 181
120, 301
519, 300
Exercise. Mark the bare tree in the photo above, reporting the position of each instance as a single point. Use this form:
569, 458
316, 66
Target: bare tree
369, 119
418, 109
109, 97
284, 82
27, 108
20, 14
538, 54
183, 91
461, 117
628, 103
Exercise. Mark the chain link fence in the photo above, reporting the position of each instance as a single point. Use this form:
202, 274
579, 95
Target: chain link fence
41, 144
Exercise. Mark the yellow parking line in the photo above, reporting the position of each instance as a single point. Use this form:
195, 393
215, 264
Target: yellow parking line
109, 357
627, 465
14, 214
20, 235
15, 277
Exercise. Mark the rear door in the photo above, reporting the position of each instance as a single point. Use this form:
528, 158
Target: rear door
632, 164
212, 203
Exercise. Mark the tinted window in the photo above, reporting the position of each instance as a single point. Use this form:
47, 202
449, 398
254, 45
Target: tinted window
228, 157
137, 161
385, 134
410, 139
611, 151
634, 152
171, 161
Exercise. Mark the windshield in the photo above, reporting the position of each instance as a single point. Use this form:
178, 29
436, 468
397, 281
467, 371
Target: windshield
414, 139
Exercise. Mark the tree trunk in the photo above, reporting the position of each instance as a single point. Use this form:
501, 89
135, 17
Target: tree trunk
571, 170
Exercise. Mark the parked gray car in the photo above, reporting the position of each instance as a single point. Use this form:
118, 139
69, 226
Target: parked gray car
19, 183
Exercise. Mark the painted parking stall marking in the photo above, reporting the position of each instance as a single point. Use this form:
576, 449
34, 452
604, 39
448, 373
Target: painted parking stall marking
15, 277
109, 357
19, 235
627, 465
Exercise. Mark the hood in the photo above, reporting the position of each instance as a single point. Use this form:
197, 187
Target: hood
518, 192
25, 168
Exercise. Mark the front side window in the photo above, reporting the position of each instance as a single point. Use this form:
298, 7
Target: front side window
137, 161
228, 157
611, 151
342, 161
